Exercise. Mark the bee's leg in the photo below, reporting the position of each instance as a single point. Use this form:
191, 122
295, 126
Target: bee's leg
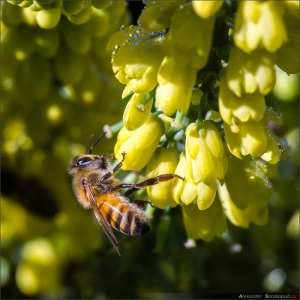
150, 181
114, 170
142, 203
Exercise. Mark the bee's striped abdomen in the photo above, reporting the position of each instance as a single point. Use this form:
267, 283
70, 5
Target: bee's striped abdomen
123, 215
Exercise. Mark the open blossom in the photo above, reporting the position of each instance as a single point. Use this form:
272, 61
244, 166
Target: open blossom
139, 144
248, 73
136, 59
248, 107
246, 138
259, 24
203, 162
187, 192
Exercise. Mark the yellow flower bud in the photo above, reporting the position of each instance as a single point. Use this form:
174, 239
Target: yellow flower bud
157, 15
136, 113
273, 152
187, 192
287, 56
247, 73
136, 58
259, 24
204, 152
175, 87
163, 161
139, 144
206, 9
196, 96
204, 224
246, 138
256, 213
245, 108
189, 38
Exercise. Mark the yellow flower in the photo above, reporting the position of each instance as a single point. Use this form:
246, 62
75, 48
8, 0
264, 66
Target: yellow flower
246, 138
247, 182
247, 73
163, 161
204, 153
206, 9
136, 58
259, 24
273, 152
139, 144
136, 112
175, 87
157, 15
248, 107
204, 224
37, 258
187, 192
189, 38
254, 213
287, 56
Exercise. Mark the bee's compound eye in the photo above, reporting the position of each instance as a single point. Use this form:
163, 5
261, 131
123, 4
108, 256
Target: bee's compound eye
83, 161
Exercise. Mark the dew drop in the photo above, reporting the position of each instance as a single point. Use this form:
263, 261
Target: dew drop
123, 27
189, 244
281, 148
140, 107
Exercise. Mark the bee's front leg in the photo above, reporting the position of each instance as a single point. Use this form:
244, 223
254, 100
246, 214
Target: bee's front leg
114, 170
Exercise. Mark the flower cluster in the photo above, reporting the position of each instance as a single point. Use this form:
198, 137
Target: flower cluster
54, 65
197, 107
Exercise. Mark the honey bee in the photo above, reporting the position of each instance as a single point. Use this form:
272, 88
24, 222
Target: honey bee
96, 187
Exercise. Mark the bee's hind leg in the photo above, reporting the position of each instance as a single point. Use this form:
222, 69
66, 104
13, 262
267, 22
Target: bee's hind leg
150, 181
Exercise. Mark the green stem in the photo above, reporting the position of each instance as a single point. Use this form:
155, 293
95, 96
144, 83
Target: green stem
201, 109
113, 129
147, 97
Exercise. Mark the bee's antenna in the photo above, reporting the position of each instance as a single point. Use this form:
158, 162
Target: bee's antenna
89, 149
87, 144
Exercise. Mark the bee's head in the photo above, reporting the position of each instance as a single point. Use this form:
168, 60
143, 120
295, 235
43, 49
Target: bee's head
87, 162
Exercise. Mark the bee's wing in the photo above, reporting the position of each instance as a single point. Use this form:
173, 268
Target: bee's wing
106, 227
